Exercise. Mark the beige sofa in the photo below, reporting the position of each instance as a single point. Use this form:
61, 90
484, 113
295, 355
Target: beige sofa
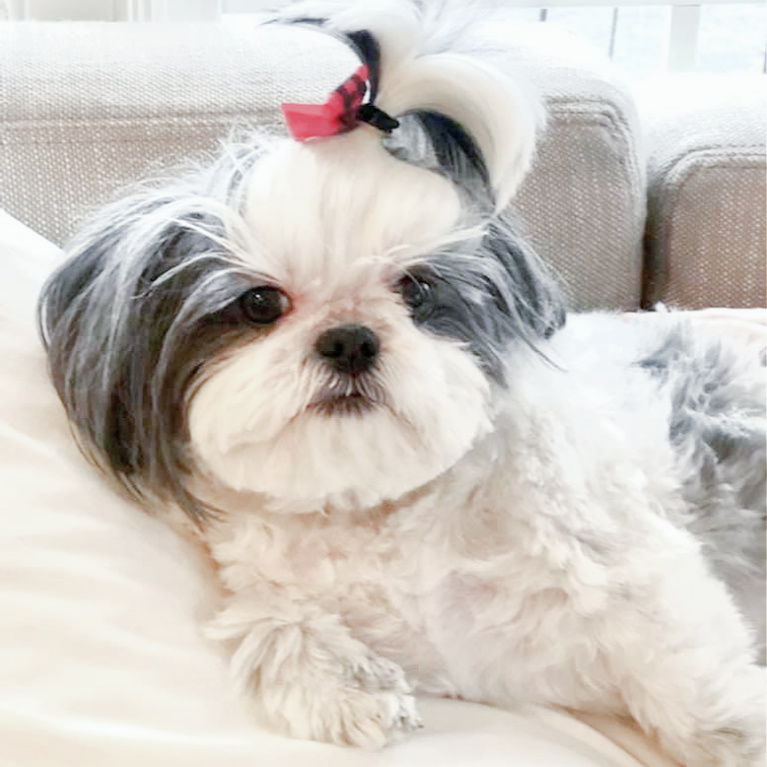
705, 241
86, 108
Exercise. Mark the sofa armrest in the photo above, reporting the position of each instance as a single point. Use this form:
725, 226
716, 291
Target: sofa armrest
706, 191
583, 205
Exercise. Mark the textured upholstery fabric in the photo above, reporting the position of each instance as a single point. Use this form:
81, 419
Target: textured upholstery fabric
86, 108
706, 191
583, 204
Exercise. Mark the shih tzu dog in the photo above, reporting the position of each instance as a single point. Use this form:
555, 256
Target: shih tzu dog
333, 352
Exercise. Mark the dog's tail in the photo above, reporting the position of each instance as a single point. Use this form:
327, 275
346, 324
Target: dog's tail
482, 124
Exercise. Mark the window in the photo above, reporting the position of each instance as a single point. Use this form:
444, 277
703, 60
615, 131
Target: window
641, 37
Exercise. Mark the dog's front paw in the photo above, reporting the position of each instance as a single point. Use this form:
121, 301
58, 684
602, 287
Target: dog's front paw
311, 679
724, 727
373, 706
370, 704
740, 744
737, 737
736, 747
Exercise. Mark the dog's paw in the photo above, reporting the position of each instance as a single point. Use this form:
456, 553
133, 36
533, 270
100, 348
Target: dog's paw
369, 719
737, 738
736, 746
369, 706
310, 678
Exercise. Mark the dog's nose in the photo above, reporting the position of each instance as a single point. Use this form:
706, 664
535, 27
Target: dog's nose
351, 349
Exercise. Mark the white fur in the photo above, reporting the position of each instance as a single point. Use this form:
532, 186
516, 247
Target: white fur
543, 566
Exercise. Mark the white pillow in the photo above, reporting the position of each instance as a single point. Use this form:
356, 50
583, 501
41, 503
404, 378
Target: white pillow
102, 661
26, 259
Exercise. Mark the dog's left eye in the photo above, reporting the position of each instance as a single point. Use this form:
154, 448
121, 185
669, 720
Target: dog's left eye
416, 292
263, 305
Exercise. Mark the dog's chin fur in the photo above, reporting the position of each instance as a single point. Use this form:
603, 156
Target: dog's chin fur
491, 504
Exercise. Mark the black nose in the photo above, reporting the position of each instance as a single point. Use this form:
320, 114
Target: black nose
351, 349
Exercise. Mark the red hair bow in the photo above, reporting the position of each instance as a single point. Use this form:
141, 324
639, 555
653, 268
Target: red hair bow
341, 113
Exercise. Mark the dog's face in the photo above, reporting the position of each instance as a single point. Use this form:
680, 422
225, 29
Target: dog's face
319, 323
356, 379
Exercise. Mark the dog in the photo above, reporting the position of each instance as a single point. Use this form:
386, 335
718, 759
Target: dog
415, 471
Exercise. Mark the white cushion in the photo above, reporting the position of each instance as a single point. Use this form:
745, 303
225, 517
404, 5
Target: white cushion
25, 260
101, 656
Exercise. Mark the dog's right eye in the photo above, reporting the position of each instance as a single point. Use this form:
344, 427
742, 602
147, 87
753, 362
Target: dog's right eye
264, 304
416, 292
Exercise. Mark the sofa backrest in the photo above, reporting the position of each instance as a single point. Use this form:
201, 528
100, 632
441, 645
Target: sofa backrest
88, 108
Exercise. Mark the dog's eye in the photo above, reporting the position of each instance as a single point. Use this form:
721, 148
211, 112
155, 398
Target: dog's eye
263, 305
416, 293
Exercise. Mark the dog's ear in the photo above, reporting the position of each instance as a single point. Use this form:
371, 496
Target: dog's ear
73, 320
124, 340
480, 122
93, 336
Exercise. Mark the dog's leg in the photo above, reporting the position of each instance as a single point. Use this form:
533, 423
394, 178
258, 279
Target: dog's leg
309, 676
685, 671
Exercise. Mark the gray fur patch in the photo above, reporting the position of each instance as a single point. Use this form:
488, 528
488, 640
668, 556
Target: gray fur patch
146, 299
493, 293
718, 430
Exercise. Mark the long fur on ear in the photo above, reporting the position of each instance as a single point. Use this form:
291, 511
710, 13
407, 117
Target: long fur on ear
133, 316
416, 52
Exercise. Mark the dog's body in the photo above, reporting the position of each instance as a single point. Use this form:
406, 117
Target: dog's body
554, 563
420, 475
